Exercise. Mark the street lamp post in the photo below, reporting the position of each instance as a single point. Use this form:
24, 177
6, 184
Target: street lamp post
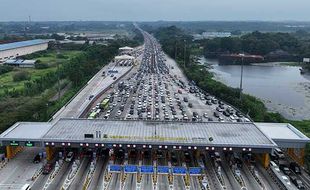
241, 76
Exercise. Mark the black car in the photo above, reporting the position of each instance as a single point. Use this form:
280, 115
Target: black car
216, 114
295, 168
37, 159
190, 105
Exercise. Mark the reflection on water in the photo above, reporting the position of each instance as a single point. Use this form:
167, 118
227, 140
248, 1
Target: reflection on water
282, 88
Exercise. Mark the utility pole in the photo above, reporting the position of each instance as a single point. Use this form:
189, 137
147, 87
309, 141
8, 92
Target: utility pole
241, 77
58, 82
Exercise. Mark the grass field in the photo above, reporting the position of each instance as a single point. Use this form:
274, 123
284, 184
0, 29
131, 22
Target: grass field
6, 80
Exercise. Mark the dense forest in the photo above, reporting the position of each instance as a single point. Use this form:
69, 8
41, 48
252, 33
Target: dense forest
258, 43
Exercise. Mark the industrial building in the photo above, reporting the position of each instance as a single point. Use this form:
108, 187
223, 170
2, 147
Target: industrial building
13, 50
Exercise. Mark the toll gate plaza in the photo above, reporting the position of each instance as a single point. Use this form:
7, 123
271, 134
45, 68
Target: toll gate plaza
217, 136
139, 134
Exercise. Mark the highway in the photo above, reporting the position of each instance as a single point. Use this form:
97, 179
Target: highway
154, 89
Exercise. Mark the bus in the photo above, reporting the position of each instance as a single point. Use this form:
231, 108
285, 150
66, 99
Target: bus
92, 115
105, 103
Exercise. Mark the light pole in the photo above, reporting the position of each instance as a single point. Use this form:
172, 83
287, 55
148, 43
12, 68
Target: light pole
241, 76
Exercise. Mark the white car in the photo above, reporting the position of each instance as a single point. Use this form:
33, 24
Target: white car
69, 157
205, 115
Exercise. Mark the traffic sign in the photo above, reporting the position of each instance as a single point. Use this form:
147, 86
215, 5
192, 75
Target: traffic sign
130, 169
14, 143
195, 171
29, 144
163, 169
115, 168
179, 170
147, 169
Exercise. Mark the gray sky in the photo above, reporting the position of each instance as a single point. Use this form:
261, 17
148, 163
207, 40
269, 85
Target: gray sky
152, 10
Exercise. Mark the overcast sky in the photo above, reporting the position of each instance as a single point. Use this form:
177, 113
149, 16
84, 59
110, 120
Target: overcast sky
152, 10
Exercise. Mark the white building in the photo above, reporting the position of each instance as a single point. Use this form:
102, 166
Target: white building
13, 50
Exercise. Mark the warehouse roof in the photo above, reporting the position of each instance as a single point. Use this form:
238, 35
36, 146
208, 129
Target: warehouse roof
21, 44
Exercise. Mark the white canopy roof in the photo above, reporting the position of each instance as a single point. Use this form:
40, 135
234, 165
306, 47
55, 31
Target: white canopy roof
126, 48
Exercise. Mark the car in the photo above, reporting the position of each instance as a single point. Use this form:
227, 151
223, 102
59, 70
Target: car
205, 115
37, 159
146, 154
114, 78
69, 156
278, 152
190, 105
297, 182
160, 154
287, 181
90, 97
216, 114
185, 99
174, 160
187, 157
47, 168
295, 168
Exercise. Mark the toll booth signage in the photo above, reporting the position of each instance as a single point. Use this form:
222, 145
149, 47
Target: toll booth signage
179, 170
130, 169
115, 168
147, 169
163, 169
14, 143
29, 144
195, 171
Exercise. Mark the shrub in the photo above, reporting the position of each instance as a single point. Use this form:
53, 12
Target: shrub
20, 76
5, 69
41, 65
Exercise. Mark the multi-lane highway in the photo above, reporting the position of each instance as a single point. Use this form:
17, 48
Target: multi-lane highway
154, 89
